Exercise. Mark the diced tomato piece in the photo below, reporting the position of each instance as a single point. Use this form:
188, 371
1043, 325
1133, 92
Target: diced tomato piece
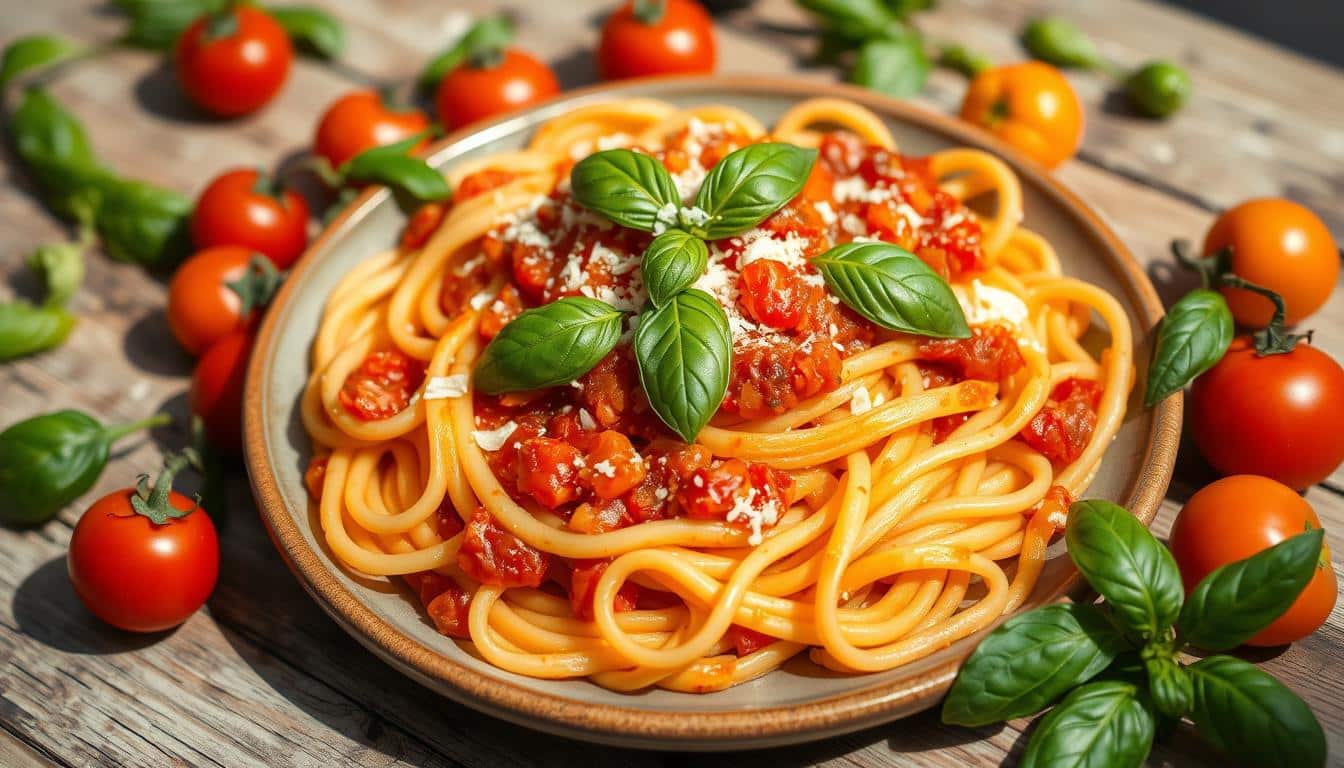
583, 585
500, 312
613, 466
314, 477
481, 181
1063, 428
713, 491
494, 556
548, 471
428, 584
816, 370
423, 223
382, 386
746, 640
450, 611
599, 517
990, 354
772, 294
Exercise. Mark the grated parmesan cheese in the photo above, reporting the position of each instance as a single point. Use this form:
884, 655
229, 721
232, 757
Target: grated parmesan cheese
445, 387
860, 402
493, 439
744, 508
605, 468
481, 299
586, 420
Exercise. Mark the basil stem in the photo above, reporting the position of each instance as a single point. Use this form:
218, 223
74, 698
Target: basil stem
548, 346
1126, 565
893, 288
684, 350
1191, 339
1252, 717
748, 185
672, 262
1099, 724
628, 187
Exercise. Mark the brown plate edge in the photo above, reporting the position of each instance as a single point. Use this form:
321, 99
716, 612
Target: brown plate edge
632, 726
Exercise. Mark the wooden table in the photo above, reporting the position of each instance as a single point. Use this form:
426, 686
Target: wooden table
262, 675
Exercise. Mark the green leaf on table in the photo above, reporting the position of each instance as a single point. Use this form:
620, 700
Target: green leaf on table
1252, 717
142, 223
1238, 600
684, 350
26, 329
312, 31
1060, 42
748, 185
391, 166
492, 32
26, 54
1099, 725
897, 67
893, 288
61, 269
156, 24
56, 152
1191, 339
549, 345
1029, 661
672, 262
854, 19
630, 188
1126, 565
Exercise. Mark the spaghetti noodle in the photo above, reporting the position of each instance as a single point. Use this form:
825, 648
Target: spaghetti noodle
865, 496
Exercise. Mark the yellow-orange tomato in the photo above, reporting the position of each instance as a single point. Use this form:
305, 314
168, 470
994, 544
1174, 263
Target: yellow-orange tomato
1282, 246
1029, 105
1240, 516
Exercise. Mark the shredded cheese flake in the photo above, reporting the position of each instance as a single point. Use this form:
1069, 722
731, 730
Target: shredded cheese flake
446, 387
493, 439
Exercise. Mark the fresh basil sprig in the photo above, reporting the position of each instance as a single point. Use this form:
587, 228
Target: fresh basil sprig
672, 262
26, 54
684, 350
893, 288
746, 187
1030, 660
628, 187
1191, 339
547, 346
313, 31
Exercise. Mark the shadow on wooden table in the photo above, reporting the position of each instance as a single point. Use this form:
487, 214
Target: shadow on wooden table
47, 609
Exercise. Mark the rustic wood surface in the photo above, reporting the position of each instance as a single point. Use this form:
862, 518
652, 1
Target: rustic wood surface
262, 676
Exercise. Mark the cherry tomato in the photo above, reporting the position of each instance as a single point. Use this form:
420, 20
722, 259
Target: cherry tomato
361, 120
674, 36
139, 575
1237, 517
202, 308
242, 207
217, 391
1282, 246
1281, 416
470, 93
231, 63
1030, 106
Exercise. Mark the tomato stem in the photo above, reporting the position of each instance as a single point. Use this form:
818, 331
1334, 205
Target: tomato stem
1273, 339
115, 433
154, 501
1210, 269
649, 12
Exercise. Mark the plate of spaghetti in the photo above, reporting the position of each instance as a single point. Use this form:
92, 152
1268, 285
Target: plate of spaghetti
709, 413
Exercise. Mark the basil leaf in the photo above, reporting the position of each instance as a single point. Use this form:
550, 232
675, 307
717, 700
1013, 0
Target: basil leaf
409, 174
855, 19
156, 24
56, 152
313, 31
1126, 565
628, 187
893, 288
1191, 339
1029, 661
490, 32
550, 345
672, 262
1061, 43
684, 350
26, 54
895, 67
751, 183
959, 58
61, 268
1239, 599
143, 224
1252, 717
1100, 725
1169, 685
27, 330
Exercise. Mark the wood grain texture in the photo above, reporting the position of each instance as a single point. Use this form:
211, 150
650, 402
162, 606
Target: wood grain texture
262, 675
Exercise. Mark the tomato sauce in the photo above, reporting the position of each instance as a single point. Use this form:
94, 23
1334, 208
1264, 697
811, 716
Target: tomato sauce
1063, 428
382, 385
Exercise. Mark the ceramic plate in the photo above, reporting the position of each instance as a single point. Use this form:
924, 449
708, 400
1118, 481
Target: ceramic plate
797, 703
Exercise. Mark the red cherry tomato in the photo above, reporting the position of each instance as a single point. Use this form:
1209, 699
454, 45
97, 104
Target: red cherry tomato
675, 36
772, 294
202, 308
242, 207
139, 575
217, 391
231, 63
470, 93
359, 121
1281, 416
1237, 517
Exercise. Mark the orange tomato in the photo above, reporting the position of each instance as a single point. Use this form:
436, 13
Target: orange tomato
1282, 246
1242, 515
1030, 106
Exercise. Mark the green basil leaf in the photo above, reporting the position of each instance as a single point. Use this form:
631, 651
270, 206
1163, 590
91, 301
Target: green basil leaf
46, 462
1029, 661
1158, 88
27, 330
751, 183
156, 24
1100, 725
628, 187
897, 68
1061, 43
409, 174
1252, 717
904, 8
1126, 565
313, 31
143, 224
959, 58
548, 346
1170, 686
893, 288
685, 350
855, 19
61, 268
1192, 338
26, 54
1239, 599
491, 32
56, 151
672, 262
